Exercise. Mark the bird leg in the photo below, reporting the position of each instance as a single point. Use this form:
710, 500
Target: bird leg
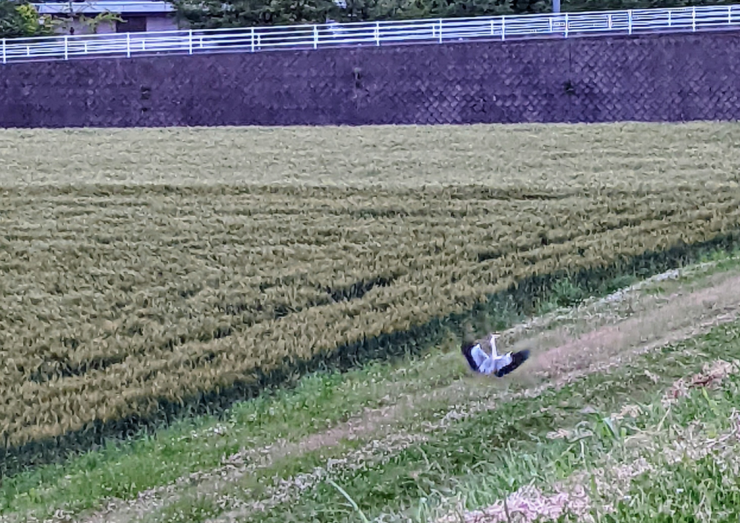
494, 352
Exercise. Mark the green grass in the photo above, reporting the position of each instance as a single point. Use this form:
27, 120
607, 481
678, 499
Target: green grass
86, 207
506, 448
680, 492
710, 264
318, 402
197, 510
444, 466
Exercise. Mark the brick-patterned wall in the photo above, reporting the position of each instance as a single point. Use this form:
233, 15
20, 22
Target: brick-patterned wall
650, 78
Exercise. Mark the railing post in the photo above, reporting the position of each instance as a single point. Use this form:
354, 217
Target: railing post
729, 14
554, 20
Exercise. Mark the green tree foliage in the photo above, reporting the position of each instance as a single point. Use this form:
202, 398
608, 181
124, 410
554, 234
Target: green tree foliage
207, 14
21, 19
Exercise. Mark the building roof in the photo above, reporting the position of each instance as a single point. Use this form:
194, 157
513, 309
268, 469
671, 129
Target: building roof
102, 6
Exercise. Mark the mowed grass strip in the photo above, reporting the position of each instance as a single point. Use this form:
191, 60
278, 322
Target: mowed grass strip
558, 436
319, 403
119, 296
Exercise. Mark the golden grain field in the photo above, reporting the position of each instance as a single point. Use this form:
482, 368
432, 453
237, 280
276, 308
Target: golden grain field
143, 265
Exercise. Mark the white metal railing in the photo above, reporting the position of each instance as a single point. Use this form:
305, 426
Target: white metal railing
552, 25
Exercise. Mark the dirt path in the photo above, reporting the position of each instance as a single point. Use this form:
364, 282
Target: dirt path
613, 476
682, 317
593, 340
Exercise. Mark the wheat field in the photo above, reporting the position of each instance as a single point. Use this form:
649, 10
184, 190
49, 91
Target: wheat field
141, 266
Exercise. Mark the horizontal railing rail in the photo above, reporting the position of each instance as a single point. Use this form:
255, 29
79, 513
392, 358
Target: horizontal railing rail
552, 25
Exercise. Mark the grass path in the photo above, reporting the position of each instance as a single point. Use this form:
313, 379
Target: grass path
651, 441
210, 468
501, 443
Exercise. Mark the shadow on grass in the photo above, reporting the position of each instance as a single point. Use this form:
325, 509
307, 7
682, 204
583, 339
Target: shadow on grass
499, 312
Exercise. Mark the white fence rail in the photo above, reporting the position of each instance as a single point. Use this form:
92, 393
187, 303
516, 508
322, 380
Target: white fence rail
560, 25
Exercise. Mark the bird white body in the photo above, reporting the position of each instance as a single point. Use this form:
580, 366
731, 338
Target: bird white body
489, 364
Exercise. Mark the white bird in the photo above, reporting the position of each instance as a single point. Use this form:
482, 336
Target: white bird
482, 363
